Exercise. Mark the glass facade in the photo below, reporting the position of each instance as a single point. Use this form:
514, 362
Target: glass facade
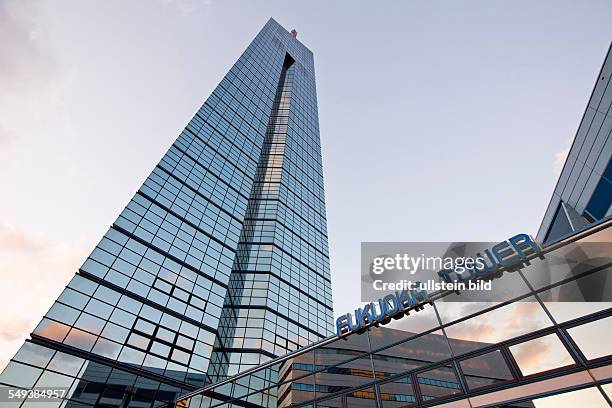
528, 351
207, 269
583, 194
279, 294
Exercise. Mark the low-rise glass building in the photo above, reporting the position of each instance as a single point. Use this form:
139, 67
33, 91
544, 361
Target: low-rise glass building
530, 349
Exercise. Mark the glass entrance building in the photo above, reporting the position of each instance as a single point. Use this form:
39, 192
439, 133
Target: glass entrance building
212, 265
526, 350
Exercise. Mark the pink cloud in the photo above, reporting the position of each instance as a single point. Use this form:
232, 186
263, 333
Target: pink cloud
501, 324
34, 271
12, 239
13, 329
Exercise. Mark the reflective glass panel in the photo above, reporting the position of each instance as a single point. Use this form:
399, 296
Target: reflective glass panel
408, 326
497, 325
589, 397
34, 354
590, 338
485, 370
541, 354
437, 383
360, 399
571, 260
344, 376
341, 350
412, 354
398, 393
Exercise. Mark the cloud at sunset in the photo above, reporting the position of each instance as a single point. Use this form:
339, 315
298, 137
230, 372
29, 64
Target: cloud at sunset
34, 270
500, 324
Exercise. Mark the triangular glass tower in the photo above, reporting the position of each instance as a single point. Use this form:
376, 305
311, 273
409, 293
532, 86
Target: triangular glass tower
218, 263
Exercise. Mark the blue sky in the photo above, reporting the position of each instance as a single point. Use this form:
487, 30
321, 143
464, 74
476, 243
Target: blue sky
440, 121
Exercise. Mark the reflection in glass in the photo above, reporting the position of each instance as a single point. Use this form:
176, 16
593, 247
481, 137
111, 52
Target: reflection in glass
365, 398
344, 376
296, 392
215, 396
398, 393
486, 369
20, 375
504, 287
131, 356
451, 311
80, 339
541, 354
607, 389
260, 379
437, 383
66, 364
593, 338
564, 311
584, 296
593, 288
34, 354
265, 398
497, 325
416, 322
409, 355
51, 330
296, 381
572, 260
51, 380
589, 397
341, 350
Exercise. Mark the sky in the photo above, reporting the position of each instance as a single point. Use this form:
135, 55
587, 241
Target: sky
440, 121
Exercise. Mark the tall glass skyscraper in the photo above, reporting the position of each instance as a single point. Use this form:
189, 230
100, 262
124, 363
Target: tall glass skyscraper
217, 264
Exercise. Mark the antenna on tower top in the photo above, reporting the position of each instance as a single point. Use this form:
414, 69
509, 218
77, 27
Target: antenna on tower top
294, 33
